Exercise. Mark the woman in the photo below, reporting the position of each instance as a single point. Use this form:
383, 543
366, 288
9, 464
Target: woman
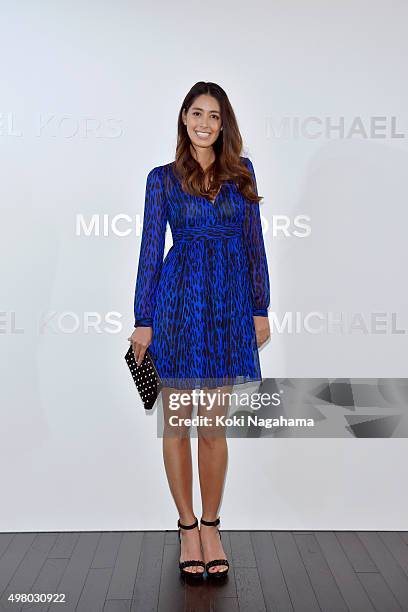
202, 312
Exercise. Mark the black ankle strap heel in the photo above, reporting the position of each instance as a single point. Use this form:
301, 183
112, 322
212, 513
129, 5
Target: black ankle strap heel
210, 523
214, 562
192, 562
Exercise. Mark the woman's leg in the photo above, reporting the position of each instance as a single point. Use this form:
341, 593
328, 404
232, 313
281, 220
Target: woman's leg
178, 465
212, 464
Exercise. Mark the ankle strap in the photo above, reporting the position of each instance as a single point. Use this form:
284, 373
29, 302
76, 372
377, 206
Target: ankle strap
210, 523
195, 524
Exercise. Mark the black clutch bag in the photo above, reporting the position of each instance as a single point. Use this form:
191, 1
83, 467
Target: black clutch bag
145, 376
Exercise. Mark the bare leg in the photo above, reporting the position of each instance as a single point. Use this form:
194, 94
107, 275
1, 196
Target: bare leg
212, 464
178, 465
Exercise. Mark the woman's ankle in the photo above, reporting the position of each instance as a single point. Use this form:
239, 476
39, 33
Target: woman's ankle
187, 518
209, 517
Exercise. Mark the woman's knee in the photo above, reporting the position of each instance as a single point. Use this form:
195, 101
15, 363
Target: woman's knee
211, 436
176, 415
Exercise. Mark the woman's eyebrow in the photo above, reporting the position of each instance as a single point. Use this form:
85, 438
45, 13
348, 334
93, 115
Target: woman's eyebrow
211, 111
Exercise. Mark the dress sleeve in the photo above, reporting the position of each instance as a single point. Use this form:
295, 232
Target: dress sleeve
255, 248
151, 249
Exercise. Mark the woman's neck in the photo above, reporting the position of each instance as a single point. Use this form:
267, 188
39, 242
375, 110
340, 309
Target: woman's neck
204, 155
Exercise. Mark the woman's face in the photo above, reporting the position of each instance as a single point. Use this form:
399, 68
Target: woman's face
203, 121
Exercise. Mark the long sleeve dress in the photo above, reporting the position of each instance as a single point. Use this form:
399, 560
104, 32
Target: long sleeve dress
200, 301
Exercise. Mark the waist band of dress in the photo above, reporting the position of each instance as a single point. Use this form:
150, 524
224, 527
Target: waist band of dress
206, 231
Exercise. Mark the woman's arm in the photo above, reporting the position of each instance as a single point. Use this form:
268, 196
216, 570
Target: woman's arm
255, 248
151, 249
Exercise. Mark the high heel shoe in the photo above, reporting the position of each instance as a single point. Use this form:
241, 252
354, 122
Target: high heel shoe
193, 562
219, 574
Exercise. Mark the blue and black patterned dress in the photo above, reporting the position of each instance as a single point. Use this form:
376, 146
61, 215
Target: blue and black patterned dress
200, 301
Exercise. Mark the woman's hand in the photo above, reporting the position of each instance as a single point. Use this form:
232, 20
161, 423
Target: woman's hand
262, 329
140, 339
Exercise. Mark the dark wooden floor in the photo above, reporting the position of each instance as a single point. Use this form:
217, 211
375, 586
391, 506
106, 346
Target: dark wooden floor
138, 571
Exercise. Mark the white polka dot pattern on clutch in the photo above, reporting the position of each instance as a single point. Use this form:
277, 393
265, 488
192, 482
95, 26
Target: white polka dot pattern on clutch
146, 378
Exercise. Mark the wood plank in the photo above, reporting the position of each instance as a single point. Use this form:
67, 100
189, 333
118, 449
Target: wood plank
379, 592
117, 605
350, 587
274, 571
74, 577
107, 550
126, 566
249, 589
171, 537
64, 546
5, 539
241, 549
355, 551
324, 585
28, 570
297, 580
147, 585
270, 573
387, 565
47, 581
13, 556
226, 604
397, 547
172, 587
93, 594
198, 596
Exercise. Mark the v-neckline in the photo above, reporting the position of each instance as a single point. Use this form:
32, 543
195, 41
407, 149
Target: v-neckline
212, 202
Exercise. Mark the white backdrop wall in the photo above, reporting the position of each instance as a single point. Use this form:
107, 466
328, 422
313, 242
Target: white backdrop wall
89, 100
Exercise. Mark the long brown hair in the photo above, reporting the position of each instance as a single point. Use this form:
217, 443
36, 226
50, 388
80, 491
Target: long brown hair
227, 149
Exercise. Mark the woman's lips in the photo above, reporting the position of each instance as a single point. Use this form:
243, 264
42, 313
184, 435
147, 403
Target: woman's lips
203, 135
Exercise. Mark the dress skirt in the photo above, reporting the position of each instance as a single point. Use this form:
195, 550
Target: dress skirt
201, 300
